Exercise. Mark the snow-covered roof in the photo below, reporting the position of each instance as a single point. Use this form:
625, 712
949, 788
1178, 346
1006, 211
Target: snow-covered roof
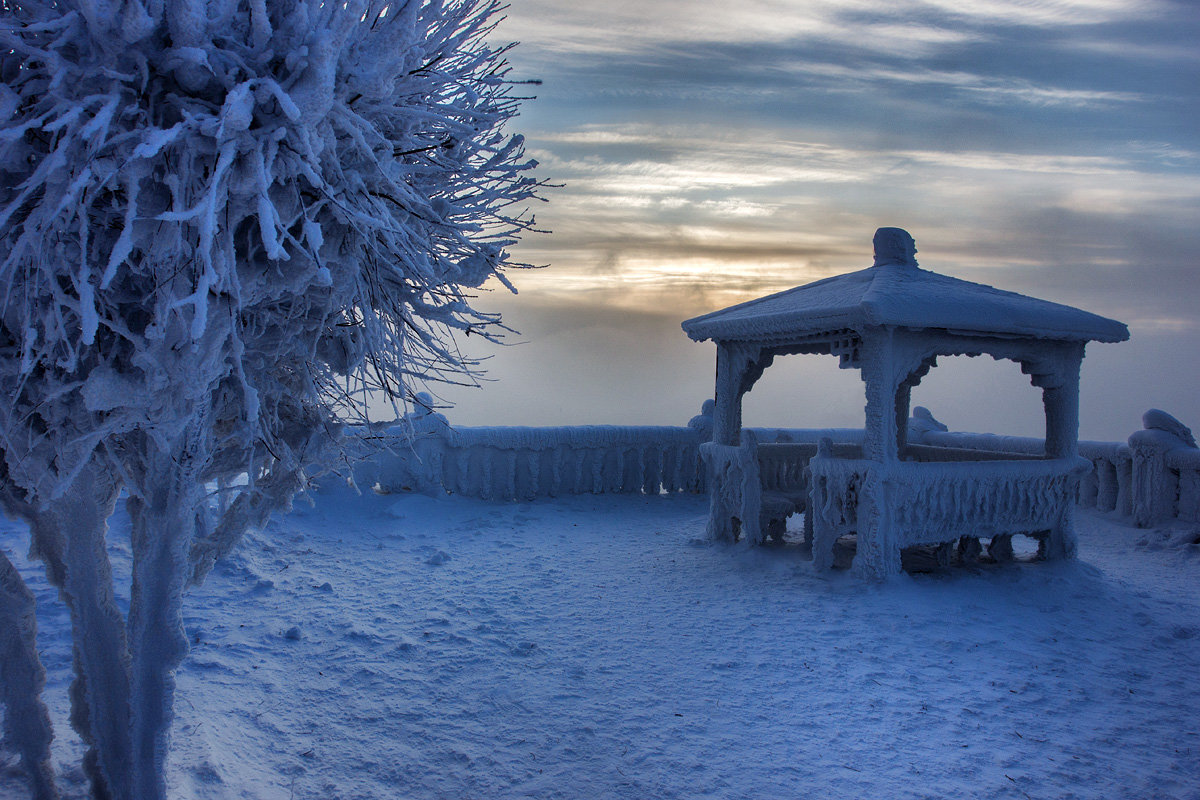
896, 292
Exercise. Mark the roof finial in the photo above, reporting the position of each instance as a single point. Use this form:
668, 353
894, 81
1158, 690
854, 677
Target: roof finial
894, 246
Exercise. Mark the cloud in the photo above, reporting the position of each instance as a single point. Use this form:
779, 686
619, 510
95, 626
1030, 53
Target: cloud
631, 27
1046, 12
986, 89
714, 152
709, 193
1095, 69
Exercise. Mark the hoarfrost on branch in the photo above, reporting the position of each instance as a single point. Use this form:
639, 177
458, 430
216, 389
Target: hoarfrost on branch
223, 223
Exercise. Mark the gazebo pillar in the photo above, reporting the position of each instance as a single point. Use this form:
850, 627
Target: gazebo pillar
731, 463
880, 440
903, 401
1060, 397
727, 413
1061, 401
878, 554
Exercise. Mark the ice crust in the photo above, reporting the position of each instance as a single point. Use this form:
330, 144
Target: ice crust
596, 641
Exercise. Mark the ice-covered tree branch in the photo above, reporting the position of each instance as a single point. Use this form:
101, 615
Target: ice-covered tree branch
222, 222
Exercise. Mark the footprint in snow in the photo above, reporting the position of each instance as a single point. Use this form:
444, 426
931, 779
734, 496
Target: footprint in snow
524, 649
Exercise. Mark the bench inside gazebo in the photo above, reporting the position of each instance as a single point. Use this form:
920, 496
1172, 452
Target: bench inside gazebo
891, 322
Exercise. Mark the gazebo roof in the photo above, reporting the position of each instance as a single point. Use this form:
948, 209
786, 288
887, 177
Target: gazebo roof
896, 292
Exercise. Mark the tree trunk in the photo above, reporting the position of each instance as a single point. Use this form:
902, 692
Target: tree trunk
163, 520
69, 536
22, 677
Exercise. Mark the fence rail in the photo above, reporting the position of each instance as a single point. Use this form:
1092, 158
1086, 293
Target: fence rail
1154, 478
524, 463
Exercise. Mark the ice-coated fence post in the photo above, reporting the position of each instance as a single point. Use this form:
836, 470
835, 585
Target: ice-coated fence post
702, 424
1125, 483
1106, 484
1189, 495
418, 455
1089, 487
1155, 485
920, 423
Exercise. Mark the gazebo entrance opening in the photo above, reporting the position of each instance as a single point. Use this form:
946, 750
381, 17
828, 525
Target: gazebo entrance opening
805, 391
892, 322
982, 394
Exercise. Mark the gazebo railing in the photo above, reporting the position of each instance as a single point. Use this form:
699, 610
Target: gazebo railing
931, 454
782, 465
934, 503
1109, 487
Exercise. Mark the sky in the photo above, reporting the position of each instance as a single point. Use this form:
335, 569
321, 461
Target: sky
710, 152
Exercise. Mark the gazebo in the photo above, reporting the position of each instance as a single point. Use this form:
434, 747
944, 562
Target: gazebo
891, 322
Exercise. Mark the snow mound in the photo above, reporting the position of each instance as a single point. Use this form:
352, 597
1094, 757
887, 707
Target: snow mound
589, 647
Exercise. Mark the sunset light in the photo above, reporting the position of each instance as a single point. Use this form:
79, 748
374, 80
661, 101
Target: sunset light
709, 155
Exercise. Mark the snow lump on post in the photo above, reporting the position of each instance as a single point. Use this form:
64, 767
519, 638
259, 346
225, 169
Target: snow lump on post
222, 222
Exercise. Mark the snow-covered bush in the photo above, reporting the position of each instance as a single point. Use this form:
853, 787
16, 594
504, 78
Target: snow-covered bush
221, 223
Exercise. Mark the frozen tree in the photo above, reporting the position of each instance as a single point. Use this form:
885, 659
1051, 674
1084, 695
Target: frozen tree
223, 222
26, 723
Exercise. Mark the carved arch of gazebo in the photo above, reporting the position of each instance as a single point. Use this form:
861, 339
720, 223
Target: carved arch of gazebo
894, 361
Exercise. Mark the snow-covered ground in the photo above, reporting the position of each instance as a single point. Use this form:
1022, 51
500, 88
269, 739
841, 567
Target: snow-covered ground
594, 647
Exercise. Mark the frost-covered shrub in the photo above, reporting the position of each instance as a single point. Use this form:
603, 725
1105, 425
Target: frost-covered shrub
220, 223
